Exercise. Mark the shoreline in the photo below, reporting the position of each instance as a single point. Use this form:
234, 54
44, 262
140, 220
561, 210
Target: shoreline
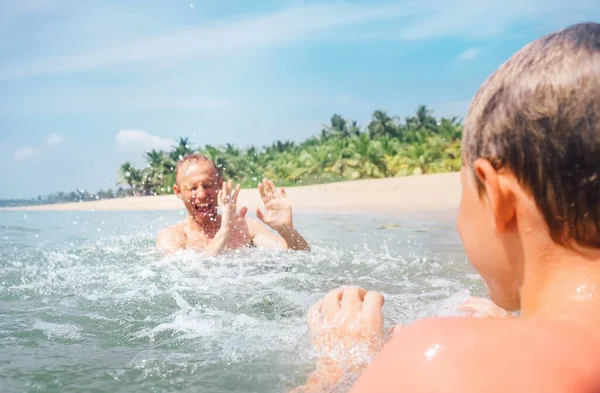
415, 195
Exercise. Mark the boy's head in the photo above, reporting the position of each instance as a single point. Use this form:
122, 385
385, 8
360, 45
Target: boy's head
531, 157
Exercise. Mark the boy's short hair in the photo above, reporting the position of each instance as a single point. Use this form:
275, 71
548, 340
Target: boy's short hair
195, 157
538, 116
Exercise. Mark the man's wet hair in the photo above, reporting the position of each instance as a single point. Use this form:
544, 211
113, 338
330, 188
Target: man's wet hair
538, 116
196, 157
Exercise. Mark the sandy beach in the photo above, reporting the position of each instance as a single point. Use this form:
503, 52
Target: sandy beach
427, 193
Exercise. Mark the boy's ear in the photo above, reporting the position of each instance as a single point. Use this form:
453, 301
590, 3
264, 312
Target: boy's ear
498, 193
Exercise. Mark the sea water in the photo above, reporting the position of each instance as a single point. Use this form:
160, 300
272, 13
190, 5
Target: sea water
88, 304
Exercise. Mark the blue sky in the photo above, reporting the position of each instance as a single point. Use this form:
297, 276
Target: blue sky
86, 85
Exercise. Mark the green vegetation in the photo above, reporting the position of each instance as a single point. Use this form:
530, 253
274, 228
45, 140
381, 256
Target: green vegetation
65, 197
388, 146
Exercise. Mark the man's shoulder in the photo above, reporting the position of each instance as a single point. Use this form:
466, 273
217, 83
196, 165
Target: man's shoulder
474, 355
171, 237
173, 230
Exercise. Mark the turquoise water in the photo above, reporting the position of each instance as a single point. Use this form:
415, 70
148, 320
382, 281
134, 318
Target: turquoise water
87, 304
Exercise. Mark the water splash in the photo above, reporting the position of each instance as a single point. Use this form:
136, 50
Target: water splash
104, 310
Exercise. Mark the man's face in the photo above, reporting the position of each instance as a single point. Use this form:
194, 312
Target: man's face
494, 254
197, 185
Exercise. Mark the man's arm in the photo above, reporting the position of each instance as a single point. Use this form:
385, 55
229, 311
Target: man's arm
230, 219
278, 216
288, 239
293, 239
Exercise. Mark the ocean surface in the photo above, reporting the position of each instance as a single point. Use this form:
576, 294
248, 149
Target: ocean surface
88, 305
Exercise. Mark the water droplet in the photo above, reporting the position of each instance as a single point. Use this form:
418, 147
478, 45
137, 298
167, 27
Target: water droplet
74, 222
25, 216
127, 174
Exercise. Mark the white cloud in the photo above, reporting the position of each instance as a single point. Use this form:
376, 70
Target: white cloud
25, 153
54, 139
141, 141
469, 54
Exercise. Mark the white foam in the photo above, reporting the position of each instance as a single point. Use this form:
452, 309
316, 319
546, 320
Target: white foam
58, 331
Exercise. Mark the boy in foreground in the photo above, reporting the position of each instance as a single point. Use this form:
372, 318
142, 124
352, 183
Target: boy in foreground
529, 219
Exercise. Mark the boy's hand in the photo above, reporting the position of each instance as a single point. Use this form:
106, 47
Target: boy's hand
347, 328
481, 307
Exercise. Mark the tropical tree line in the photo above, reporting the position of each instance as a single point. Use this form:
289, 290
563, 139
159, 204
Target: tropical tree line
388, 146
66, 197
343, 150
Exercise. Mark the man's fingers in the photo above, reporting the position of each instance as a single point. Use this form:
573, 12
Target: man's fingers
352, 299
261, 191
223, 192
243, 212
282, 191
268, 190
259, 214
274, 190
226, 192
331, 302
235, 194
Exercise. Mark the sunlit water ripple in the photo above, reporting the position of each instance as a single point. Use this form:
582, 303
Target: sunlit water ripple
87, 304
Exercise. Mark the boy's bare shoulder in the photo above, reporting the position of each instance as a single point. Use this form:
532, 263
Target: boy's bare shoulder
483, 354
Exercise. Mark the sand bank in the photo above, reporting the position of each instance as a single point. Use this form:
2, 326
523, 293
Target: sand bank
431, 193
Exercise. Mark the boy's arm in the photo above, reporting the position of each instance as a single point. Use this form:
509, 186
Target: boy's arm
347, 331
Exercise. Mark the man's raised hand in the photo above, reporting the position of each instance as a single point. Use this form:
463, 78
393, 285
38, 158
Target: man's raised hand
228, 195
278, 211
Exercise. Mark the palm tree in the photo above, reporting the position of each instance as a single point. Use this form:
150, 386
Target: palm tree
382, 125
450, 129
182, 148
131, 176
342, 151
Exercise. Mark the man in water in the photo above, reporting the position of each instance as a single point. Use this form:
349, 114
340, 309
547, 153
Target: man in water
199, 184
529, 219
